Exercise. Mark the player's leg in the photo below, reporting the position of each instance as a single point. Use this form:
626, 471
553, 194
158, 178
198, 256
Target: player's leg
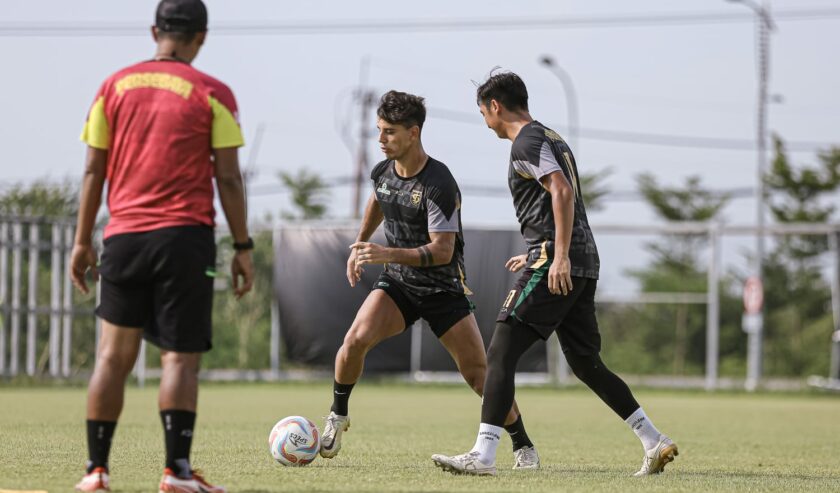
510, 341
378, 319
115, 357
581, 343
124, 308
184, 259
463, 341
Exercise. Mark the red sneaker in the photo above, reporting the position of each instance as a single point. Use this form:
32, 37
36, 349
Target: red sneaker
171, 483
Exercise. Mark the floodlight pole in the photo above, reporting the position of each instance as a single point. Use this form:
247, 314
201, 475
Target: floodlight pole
571, 99
764, 26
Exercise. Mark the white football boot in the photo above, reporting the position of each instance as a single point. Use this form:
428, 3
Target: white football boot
656, 458
526, 458
464, 464
335, 426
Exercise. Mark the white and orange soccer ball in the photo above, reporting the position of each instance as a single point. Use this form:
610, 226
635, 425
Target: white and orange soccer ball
294, 441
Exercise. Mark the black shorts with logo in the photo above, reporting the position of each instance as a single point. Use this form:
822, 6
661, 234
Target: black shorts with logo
441, 310
572, 315
161, 281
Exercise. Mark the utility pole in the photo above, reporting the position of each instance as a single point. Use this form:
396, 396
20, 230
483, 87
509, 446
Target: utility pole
764, 26
365, 98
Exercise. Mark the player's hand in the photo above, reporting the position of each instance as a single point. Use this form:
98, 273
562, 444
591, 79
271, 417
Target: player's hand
560, 276
83, 259
242, 272
371, 253
354, 270
516, 263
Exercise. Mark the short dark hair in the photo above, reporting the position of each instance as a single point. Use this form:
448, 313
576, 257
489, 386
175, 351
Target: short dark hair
401, 108
178, 37
506, 88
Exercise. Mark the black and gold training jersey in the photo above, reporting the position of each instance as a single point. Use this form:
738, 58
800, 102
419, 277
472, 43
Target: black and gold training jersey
413, 207
536, 152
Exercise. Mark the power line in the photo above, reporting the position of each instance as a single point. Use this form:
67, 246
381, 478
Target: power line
76, 29
668, 140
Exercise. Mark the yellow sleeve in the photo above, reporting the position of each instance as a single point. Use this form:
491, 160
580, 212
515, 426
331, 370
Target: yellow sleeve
226, 131
96, 132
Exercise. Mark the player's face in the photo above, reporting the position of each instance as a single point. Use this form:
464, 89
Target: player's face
491, 117
395, 140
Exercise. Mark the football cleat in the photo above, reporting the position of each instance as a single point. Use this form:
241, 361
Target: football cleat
171, 483
96, 480
656, 458
464, 464
335, 426
526, 458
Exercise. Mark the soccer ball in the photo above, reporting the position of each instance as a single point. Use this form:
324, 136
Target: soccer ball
294, 441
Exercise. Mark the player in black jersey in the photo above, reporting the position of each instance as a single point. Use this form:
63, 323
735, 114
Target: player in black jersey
556, 292
418, 200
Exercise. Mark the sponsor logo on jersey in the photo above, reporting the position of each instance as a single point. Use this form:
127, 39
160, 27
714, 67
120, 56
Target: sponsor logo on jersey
383, 189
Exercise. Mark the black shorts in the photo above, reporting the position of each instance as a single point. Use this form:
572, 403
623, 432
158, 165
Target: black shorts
572, 316
161, 281
441, 310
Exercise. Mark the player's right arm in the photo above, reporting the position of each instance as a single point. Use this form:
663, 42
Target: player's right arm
83, 257
370, 221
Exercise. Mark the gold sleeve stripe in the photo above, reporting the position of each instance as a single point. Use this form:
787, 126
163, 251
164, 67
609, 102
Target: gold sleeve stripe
226, 131
96, 133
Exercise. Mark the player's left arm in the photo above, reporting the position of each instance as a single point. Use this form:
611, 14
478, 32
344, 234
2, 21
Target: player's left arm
563, 207
83, 257
438, 251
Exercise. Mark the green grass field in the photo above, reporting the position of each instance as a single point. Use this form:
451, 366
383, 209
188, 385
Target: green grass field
728, 442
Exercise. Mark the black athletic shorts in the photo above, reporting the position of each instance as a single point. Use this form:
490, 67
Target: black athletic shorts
162, 281
572, 316
441, 310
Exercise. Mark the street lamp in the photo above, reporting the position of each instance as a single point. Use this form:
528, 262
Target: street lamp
764, 26
571, 98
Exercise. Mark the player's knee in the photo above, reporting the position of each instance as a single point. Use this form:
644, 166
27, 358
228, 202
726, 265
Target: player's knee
115, 361
474, 375
357, 342
584, 366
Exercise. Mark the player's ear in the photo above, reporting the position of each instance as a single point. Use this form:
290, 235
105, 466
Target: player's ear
200, 37
495, 106
154, 31
415, 132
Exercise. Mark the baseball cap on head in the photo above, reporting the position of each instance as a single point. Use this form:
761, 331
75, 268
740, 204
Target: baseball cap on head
184, 16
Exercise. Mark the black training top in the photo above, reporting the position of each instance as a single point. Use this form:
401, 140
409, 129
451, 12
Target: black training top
428, 202
536, 152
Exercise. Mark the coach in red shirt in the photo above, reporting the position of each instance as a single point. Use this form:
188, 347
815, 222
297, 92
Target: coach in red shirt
159, 132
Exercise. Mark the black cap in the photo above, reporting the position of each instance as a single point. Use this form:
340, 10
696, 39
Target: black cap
181, 16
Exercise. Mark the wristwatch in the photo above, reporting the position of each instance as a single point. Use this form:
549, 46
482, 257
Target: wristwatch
248, 245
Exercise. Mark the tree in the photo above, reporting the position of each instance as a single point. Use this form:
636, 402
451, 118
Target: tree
651, 336
798, 321
308, 194
40, 198
594, 189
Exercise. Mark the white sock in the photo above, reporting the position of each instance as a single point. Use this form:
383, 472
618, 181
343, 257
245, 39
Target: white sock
644, 429
486, 443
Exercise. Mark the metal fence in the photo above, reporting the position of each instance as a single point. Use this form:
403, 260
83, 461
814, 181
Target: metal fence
36, 297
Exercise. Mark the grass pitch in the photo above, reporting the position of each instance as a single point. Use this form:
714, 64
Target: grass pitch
728, 442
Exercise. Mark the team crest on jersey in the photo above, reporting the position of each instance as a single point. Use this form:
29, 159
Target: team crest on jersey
416, 195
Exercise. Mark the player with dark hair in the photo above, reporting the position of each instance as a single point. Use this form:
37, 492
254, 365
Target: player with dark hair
420, 203
159, 131
556, 292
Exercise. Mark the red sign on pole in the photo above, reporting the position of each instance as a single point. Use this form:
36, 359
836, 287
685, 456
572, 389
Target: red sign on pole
753, 295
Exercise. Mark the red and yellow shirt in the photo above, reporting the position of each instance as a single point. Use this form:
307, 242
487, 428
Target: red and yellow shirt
160, 121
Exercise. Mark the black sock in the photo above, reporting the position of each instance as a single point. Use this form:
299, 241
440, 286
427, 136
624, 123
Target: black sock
341, 397
99, 435
178, 433
517, 433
